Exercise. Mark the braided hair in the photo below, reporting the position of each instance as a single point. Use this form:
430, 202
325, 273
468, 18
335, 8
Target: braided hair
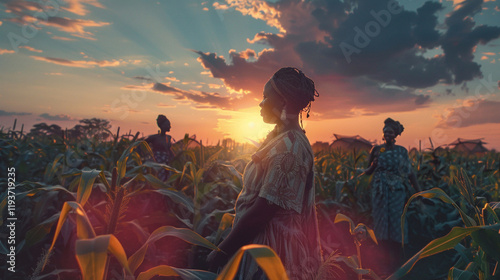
296, 88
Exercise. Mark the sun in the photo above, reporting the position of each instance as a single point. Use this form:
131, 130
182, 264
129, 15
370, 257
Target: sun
244, 126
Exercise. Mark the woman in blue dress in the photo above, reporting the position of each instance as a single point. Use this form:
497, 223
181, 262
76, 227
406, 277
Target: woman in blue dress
391, 170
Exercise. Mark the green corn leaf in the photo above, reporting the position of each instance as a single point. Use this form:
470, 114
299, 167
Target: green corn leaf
440, 194
186, 274
489, 242
122, 162
225, 223
352, 262
185, 234
51, 169
458, 274
85, 186
105, 181
178, 197
37, 233
41, 188
439, 245
370, 232
344, 218
84, 229
488, 211
92, 255
263, 255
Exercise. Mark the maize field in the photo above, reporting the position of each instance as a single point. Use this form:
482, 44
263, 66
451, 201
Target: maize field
92, 207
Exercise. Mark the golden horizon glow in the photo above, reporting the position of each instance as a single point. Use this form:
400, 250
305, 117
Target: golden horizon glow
244, 126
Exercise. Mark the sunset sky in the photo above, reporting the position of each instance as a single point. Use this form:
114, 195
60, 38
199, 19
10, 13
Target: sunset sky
432, 65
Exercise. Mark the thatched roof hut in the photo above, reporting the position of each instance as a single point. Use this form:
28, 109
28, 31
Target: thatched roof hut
319, 146
469, 146
350, 143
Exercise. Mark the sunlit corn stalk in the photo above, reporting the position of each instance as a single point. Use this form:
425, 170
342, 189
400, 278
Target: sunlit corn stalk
116, 199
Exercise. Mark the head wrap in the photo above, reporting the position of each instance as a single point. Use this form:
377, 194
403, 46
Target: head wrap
161, 120
394, 125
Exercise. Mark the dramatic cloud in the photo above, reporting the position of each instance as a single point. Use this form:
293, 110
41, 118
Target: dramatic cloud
255, 8
365, 56
3, 51
79, 63
60, 117
201, 99
46, 13
75, 27
471, 112
5, 113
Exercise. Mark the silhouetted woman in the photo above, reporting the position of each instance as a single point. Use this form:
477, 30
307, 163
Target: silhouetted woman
161, 144
392, 169
276, 205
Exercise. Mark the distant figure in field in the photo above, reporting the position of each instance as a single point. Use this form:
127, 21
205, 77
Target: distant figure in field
392, 169
276, 206
161, 144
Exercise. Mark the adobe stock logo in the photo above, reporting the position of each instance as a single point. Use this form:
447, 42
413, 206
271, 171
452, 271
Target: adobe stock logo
372, 29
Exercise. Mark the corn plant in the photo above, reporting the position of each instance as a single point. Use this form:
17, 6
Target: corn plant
359, 233
479, 254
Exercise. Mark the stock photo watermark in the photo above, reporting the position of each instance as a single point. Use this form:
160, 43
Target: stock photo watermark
371, 29
11, 219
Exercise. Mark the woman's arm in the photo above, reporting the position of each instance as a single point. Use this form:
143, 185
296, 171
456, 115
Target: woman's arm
372, 161
249, 225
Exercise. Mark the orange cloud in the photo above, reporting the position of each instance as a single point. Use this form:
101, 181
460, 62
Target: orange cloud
75, 27
24, 10
214, 86
78, 63
173, 79
77, 7
471, 112
63, 38
255, 8
2, 51
31, 49
246, 54
18, 7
